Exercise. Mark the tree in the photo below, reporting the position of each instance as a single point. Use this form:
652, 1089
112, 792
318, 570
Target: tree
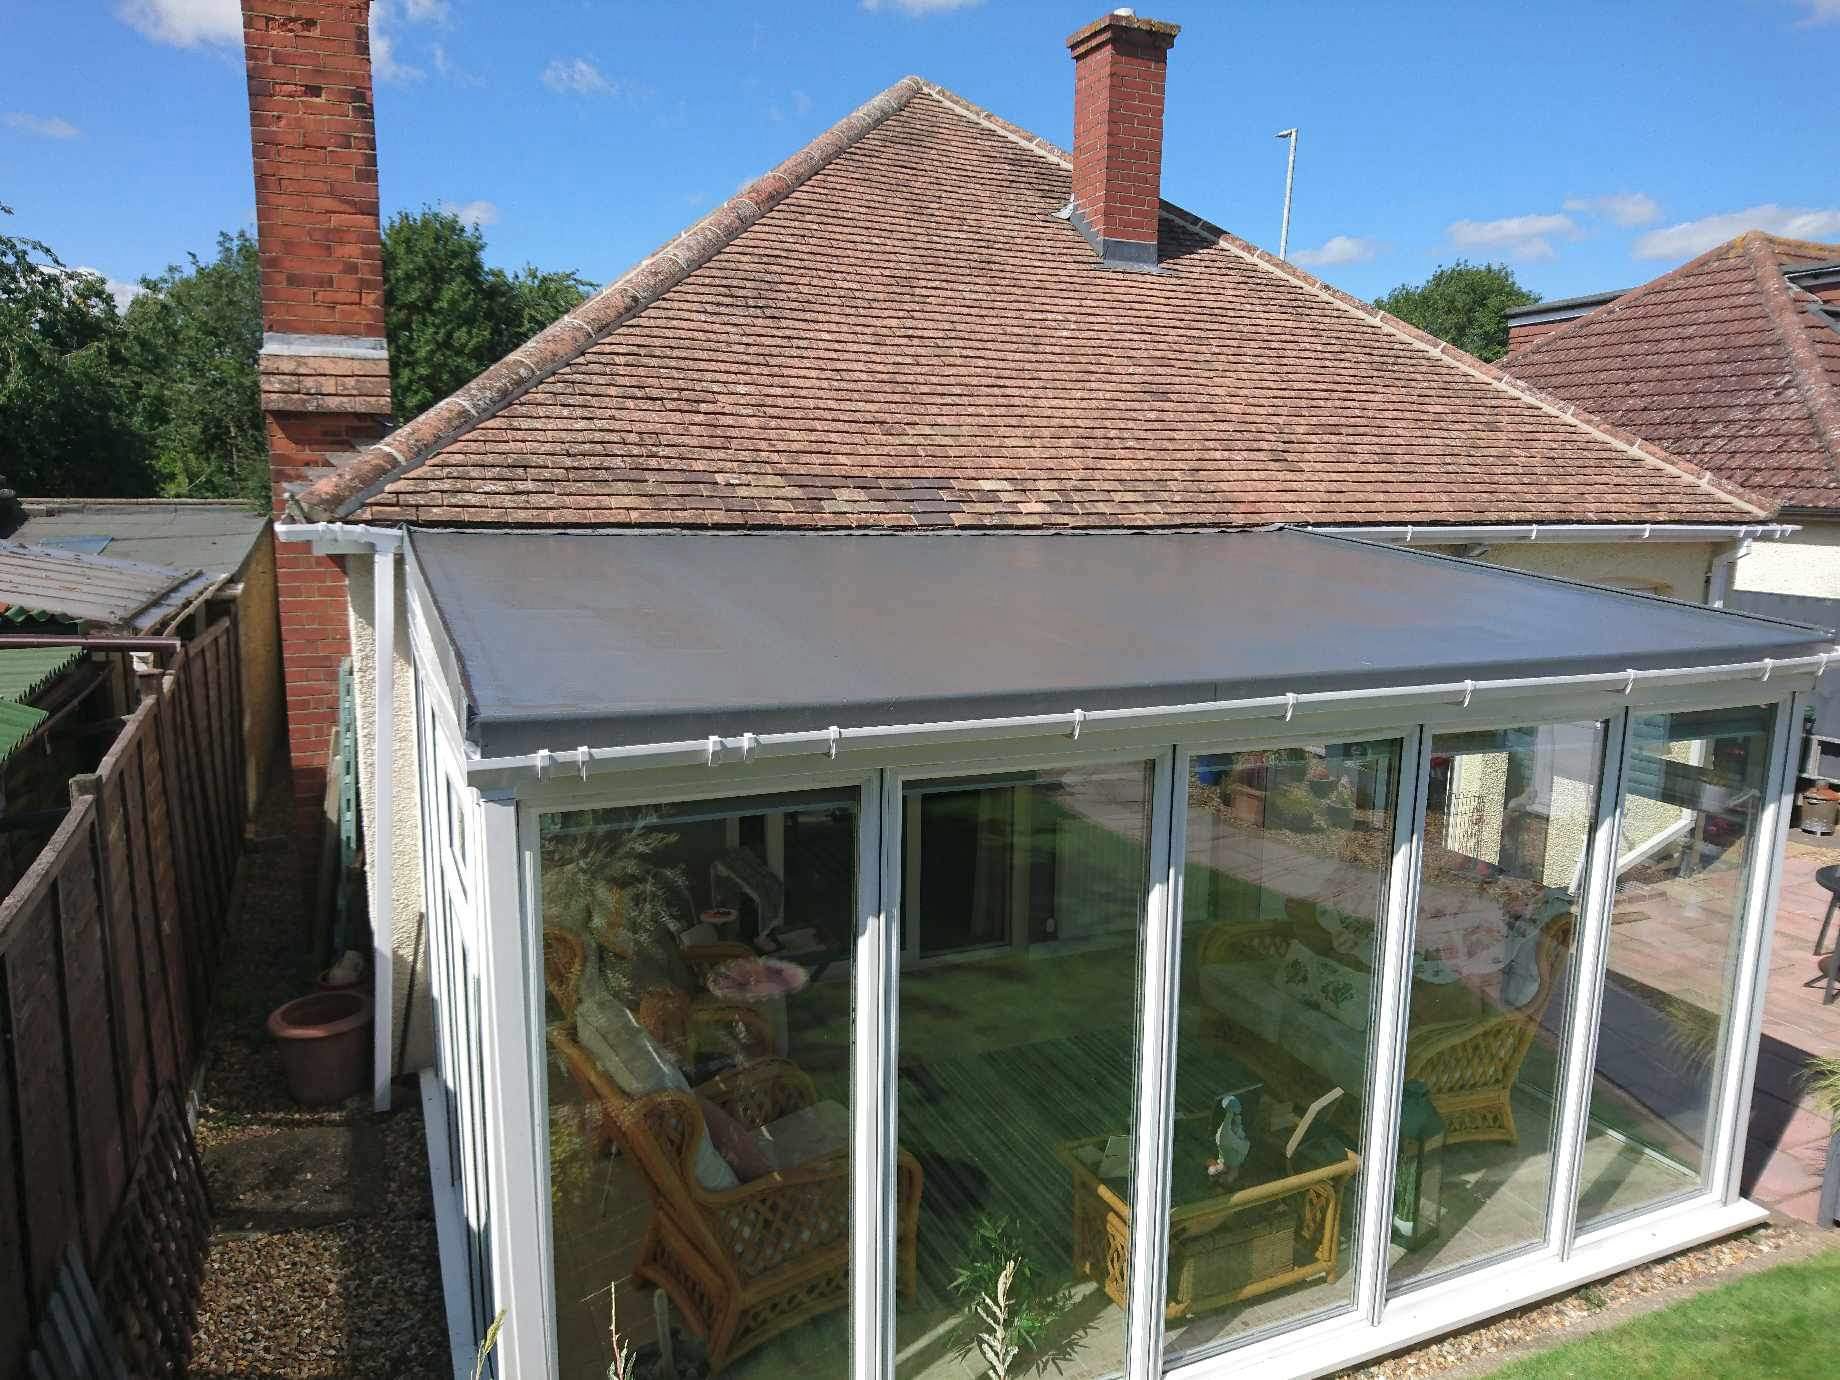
449, 316
196, 397
64, 425
1464, 303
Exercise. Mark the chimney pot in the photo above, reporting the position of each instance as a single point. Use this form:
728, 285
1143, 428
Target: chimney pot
1119, 66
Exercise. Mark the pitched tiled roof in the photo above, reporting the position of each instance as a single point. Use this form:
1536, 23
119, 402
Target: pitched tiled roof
895, 329
1724, 361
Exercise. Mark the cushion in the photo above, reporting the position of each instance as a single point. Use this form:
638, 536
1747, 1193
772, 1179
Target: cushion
734, 1142
1342, 992
1296, 975
613, 1035
805, 1136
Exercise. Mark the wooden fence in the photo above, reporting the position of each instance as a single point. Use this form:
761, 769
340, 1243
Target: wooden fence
108, 956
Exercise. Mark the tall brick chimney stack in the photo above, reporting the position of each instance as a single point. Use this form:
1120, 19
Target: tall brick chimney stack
325, 368
1119, 63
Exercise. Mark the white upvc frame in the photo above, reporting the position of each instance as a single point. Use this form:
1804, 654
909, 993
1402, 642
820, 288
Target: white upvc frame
507, 849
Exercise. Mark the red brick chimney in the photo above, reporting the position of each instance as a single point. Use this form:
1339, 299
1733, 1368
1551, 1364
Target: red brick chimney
1119, 63
325, 369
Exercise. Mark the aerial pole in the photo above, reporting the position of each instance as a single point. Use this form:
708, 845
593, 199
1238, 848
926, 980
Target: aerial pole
1290, 175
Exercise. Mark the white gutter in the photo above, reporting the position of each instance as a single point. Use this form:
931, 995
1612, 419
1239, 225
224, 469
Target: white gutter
382, 543
830, 742
1420, 534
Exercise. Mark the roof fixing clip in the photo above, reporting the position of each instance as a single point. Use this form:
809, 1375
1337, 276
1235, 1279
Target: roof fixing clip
583, 756
1290, 705
1629, 686
1823, 666
712, 750
1079, 720
1769, 665
1469, 689
836, 737
544, 759
749, 746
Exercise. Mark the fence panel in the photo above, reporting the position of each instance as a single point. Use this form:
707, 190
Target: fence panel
109, 947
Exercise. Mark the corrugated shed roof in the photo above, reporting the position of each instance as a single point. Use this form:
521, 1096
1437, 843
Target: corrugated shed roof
186, 535
96, 590
24, 671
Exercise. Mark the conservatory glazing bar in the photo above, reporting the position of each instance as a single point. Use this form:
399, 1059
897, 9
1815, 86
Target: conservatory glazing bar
1246, 1013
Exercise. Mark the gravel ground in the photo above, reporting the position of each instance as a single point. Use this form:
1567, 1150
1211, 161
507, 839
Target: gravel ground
1481, 1350
322, 1259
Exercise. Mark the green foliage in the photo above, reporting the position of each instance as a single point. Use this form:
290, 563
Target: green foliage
192, 340
996, 1262
1466, 304
449, 317
64, 417
1820, 1079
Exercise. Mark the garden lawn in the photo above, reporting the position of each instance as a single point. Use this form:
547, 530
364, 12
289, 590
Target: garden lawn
1776, 1322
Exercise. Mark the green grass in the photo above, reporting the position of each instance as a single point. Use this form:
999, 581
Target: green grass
1776, 1322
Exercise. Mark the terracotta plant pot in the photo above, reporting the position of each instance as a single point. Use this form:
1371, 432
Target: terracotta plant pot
325, 1044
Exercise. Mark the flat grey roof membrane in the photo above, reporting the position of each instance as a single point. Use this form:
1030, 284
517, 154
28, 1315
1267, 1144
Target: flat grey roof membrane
616, 638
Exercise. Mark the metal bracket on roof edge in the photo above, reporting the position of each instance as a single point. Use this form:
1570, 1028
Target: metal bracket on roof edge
836, 737
583, 756
1079, 720
544, 759
1290, 705
749, 746
1769, 664
1469, 689
714, 750
1629, 686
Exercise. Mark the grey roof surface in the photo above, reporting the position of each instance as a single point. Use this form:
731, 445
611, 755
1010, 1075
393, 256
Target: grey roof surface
195, 535
612, 638
96, 590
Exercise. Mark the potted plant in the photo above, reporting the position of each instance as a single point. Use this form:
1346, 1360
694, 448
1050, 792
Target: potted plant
1008, 1304
1820, 1079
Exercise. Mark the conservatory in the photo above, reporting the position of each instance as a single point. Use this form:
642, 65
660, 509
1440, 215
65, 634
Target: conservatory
1188, 953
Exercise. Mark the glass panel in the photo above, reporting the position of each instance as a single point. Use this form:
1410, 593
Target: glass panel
1023, 902
1508, 824
1692, 798
1284, 893
698, 1081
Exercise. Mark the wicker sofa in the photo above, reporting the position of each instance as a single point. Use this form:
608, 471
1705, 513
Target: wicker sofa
1466, 1045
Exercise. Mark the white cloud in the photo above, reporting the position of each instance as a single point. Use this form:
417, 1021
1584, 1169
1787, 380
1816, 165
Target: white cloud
1692, 237
123, 293
473, 212
917, 8
44, 126
1519, 237
1821, 12
184, 23
385, 64
576, 76
1627, 209
426, 11
1338, 249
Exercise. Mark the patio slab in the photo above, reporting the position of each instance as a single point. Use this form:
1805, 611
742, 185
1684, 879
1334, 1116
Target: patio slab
1787, 1141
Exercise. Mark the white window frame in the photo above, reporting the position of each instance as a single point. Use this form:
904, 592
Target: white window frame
505, 857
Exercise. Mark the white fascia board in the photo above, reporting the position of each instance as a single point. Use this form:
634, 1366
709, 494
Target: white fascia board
341, 538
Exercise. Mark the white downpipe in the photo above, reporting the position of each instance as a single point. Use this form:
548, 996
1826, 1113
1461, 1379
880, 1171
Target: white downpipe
1725, 572
749, 747
345, 538
381, 858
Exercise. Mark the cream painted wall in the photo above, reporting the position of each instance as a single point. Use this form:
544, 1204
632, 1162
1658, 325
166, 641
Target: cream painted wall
409, 989
1806, 563
1678, 569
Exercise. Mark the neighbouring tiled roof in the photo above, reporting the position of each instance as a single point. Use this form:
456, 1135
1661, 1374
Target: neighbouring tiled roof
1722, 361
894, 329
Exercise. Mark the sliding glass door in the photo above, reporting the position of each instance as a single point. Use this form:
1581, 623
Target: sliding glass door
1284, 892
1017, 1066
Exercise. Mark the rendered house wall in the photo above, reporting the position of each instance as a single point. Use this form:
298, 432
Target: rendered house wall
1678, 570
1806, 563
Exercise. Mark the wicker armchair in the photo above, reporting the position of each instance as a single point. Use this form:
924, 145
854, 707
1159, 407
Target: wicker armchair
1470, 1066
747, 1263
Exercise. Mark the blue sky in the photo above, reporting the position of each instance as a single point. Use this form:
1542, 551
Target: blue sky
1592, 145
